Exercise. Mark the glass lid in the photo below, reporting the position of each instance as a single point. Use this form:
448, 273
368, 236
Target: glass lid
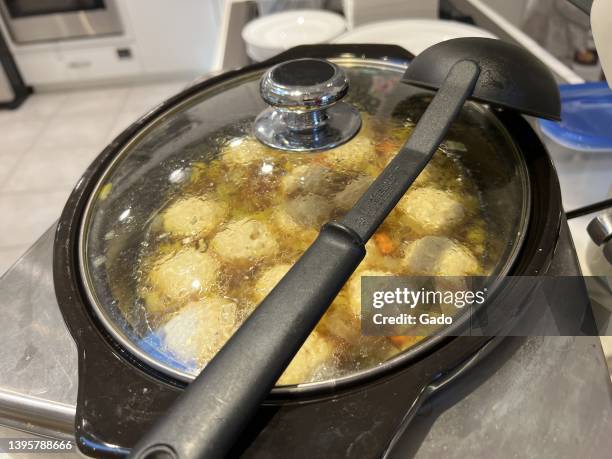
205, 209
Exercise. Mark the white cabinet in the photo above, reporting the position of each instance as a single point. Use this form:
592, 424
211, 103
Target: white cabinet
40, 68
175, 37
164, 37
99, 63
57, 66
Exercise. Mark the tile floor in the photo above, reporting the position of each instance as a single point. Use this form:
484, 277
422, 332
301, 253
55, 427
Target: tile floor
48, 142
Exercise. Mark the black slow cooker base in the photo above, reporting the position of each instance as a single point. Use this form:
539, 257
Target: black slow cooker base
120, 398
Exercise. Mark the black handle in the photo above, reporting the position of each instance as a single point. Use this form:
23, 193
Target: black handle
381, 197
583, 5
209, 416
589, 209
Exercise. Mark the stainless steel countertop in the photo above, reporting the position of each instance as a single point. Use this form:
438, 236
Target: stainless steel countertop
534, 397
38, 381
531, 398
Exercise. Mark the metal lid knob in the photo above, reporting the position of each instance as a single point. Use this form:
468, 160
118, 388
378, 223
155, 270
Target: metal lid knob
304, 84
305, 113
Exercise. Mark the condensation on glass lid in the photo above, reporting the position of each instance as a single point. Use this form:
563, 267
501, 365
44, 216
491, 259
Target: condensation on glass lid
215, 219
221, 243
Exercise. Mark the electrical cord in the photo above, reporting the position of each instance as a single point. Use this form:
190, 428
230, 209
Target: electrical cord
595, 207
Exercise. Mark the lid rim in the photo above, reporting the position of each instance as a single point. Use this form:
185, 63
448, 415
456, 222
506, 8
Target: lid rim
133, 133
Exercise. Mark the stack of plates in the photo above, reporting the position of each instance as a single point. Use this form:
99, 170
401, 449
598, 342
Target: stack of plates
414, 35
270, 35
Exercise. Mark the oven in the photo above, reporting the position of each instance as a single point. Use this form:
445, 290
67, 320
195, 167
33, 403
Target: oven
30, 21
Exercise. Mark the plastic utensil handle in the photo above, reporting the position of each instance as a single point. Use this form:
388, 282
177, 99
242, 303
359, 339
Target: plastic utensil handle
381, 197
209, 416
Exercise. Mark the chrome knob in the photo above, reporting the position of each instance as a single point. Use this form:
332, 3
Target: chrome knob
305, 112
600, 228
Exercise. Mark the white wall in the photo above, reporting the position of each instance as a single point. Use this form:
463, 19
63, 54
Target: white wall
511, 10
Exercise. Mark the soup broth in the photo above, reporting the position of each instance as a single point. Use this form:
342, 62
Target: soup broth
246, 214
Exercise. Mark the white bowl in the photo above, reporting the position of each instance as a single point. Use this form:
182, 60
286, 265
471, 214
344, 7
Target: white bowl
270, 35
414, 35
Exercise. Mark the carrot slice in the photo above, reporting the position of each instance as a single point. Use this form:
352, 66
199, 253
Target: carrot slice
400, 341
384, 243
320, 159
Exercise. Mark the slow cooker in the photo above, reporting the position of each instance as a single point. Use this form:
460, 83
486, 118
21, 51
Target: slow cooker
128, 376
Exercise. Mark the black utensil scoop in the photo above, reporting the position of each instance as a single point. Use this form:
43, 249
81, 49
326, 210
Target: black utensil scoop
209, 416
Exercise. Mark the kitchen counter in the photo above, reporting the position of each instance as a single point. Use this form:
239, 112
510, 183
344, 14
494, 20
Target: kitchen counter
38, 384
536, 396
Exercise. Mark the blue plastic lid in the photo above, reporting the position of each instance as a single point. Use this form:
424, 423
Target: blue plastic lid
152, 345
586, 113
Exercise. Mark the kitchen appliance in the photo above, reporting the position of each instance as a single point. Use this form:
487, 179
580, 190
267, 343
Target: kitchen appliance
30, 21
306, 115
145, 384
